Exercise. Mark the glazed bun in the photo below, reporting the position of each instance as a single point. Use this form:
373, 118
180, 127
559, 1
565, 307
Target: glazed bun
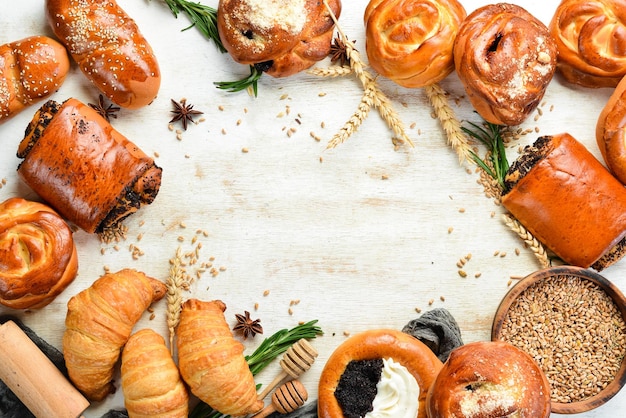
404, 349
38, 258
276, 35
411, 42
489, 379
505, 58
591, 39
610, 132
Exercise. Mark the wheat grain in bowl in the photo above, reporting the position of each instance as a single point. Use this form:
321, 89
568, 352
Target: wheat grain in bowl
572, 322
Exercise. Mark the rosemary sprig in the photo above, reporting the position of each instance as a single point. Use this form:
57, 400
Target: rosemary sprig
272, 347
204, 18
490, 136
244, 83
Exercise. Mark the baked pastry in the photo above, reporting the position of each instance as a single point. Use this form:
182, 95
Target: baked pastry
411, 42
151, 383
89, 172
211, 360
611, 132
407, 354
30, 70
38, 258
109, 49
98, 323
488, 379
566, 198
505, 58
591, 38
282, 38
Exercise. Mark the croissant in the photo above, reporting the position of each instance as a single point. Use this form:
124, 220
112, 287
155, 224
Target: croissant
591, 39
98, 323
38, 257
505, 58
211, 361
411, 42
150, 379
88, 171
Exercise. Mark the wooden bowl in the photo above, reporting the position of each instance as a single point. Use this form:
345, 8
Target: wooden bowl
611, 290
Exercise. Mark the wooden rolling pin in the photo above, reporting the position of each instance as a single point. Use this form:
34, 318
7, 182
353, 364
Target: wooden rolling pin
34, 379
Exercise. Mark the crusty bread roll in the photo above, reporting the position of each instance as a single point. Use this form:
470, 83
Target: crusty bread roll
109, 49
38, 258
488, 379
567, 200
591, 39
79, 164
377, 344
411, 42
505, 58
611, 132
283, 37
30, 69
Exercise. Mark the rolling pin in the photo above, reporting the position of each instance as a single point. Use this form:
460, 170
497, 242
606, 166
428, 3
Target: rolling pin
34, 379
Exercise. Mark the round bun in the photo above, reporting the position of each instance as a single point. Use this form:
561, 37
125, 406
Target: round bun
590, 36
505, 58
377, 344
411, 42
611, 132
277, 34
38, 258
489, 379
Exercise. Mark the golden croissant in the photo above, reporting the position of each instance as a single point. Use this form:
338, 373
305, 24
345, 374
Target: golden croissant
151, 382
211, 360
99, 321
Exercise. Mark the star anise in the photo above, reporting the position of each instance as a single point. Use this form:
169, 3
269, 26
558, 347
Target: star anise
106, 112
247, 326
338, 52
183, 112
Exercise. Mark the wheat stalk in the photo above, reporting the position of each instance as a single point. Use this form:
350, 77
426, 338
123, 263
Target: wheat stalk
449, 122
175, 283
356, 119
334, 71
535, 246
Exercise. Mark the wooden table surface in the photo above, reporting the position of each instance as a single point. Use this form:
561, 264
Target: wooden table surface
361, 236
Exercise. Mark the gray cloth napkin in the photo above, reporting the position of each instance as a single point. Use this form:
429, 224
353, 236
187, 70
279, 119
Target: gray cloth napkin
438, 330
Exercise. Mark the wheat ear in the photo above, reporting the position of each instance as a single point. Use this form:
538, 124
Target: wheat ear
175, 283
449, 122
535, 246
334, 71
356, 119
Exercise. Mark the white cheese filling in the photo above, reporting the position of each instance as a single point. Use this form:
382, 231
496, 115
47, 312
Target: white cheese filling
397, 393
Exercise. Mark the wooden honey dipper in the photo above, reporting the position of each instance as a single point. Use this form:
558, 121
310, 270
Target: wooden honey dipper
297, 359
287, 398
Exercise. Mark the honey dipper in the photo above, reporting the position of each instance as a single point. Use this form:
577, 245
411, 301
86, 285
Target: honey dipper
287, 398
297, 359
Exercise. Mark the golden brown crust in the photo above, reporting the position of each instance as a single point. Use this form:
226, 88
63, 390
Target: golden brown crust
211, 360
489, 379
30, 70
611, 132
570, 202
151, 383
591, 39
38, 258
109, 49
277, 33
89, 172
505, 58
411, 42
377, 344
98, 323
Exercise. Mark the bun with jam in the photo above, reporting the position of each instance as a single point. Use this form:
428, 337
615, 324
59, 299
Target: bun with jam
391, 363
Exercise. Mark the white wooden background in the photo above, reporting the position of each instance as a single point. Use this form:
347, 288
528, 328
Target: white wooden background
361, 235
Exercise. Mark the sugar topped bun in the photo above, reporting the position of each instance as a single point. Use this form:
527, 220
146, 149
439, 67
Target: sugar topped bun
411, 42
282, 37
505, 58
591, 38
489, 379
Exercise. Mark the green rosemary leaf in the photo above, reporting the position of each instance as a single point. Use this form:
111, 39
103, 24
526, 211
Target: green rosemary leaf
490, 135
238, 85
271, 347
203, 17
